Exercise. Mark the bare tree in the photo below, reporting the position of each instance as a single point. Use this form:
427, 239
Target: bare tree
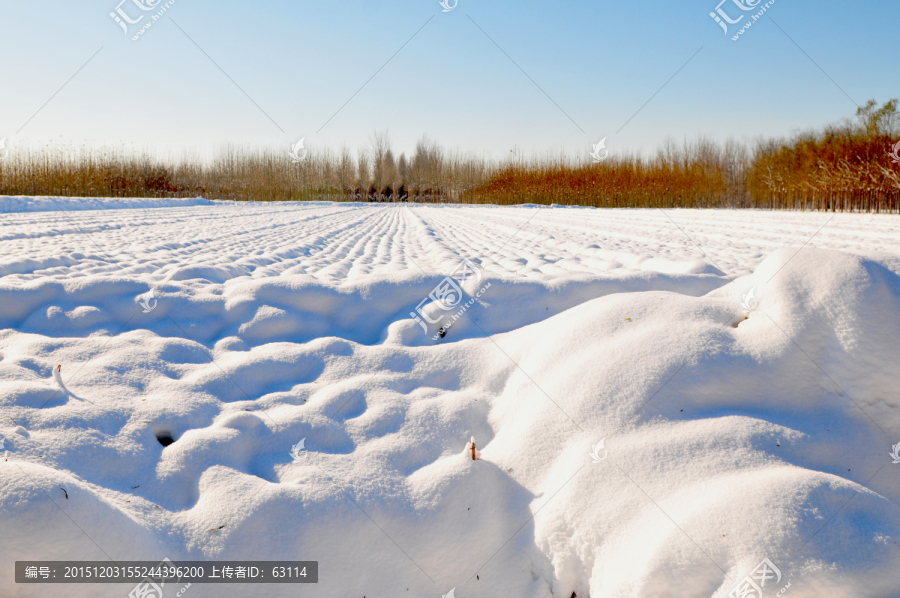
363, 172
346, 171
380, 145
402, 168
389, 174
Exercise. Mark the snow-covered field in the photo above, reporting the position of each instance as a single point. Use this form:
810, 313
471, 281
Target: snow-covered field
725, 440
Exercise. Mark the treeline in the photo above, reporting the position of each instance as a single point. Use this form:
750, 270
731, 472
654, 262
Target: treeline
851, 166
843, 167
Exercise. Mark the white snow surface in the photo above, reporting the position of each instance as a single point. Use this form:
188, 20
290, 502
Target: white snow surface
19, 203
725, 440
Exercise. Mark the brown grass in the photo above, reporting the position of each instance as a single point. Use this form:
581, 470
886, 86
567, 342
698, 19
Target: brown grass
696, 175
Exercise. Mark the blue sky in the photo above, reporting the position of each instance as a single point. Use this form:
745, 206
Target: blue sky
301, 62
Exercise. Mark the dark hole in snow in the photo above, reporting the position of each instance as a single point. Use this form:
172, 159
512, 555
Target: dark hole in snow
165, 439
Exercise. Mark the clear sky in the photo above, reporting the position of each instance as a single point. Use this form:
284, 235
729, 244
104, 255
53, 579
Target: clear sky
584, 69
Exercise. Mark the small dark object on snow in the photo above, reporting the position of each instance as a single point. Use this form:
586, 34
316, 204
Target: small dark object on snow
217, 528
165, 439
442, 333
477, 578
573, 595
67, 494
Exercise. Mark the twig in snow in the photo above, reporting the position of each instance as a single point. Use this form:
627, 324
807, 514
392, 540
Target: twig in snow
57, 376
475, 453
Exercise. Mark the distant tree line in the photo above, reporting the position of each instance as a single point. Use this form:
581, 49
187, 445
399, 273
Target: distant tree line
847, 166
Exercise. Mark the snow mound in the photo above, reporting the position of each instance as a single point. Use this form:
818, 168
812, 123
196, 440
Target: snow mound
726, 439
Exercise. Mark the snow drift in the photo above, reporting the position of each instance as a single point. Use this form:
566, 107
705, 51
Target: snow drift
726, 440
